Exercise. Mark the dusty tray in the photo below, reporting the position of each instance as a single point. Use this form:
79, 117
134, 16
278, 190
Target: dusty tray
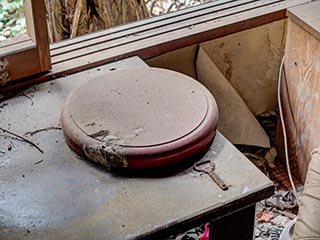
141, 118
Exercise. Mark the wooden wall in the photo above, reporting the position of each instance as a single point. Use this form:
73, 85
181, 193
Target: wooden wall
301, 91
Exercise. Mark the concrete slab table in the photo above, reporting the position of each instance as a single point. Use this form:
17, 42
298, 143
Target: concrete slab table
58, 195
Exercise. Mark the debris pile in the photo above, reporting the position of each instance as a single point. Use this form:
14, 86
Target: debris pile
275, 213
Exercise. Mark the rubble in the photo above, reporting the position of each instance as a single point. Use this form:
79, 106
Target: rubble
283, 207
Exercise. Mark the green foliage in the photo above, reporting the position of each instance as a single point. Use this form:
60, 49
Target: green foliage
12, 20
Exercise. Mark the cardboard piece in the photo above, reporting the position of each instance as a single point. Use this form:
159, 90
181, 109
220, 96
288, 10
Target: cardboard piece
250, 61
181, 60
236, 122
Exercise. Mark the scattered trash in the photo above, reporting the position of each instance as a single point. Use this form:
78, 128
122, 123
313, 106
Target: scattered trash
21, 138
282, 199
286, 213
281, 221
283, 207
271, 155
193, 234
38, 162
42, 130
265, 216
205, 235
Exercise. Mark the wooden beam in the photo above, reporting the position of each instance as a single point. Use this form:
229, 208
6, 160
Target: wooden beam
41, 34
16, 46
19, 64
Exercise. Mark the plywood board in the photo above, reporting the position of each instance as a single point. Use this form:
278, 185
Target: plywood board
250, 61
181, 60
301, 95
236, 121
307, 16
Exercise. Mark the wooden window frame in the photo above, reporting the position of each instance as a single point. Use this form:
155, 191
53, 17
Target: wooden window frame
154, 36
29, 53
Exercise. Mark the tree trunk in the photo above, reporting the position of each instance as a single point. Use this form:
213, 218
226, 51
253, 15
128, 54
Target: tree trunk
70, 18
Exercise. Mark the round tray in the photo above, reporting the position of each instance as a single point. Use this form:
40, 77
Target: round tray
139, 118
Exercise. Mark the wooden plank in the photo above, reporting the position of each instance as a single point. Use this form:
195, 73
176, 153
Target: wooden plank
143, 22
181, 60
187, 29
14, 41
18, 47
300, 95
307, 15
206, 31
136, 33
166, 24
28, 12
262, 48
155, 30
41, 34
15, 65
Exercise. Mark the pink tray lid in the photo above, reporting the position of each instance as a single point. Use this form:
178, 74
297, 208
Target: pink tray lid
139, 118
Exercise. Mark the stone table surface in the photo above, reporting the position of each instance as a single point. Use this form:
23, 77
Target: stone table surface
58, 195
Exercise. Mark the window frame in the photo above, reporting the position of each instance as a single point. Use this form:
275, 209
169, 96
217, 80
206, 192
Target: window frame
28, 54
